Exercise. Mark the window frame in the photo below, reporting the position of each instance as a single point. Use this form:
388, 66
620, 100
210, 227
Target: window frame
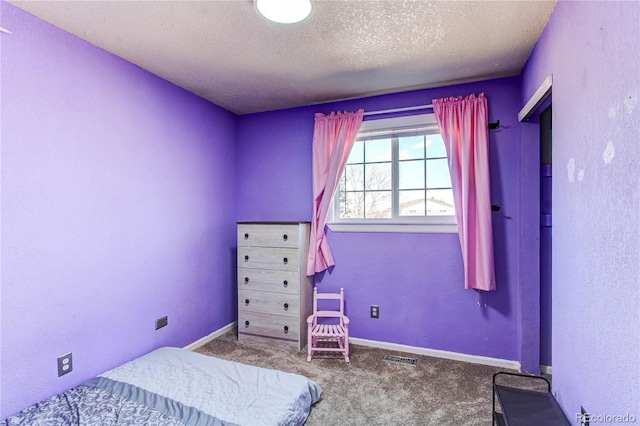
414, 224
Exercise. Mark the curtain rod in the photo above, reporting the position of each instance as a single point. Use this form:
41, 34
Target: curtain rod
389, 111
492, 126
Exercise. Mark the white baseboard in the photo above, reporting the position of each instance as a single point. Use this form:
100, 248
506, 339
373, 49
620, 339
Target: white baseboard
476, 359
210, 337
546, 369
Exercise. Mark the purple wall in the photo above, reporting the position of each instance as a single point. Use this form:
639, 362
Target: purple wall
593, 51
274, 165
415, 278
118, 207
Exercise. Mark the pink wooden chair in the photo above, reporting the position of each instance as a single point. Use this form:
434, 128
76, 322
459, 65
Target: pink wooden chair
324, 336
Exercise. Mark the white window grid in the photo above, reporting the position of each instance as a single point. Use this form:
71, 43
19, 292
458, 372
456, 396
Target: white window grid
393, 128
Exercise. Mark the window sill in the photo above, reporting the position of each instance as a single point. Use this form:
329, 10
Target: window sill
415, 228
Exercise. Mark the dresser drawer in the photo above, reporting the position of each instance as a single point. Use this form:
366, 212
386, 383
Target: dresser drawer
274, 326
279, 235
281, 259
268, 280
268, 303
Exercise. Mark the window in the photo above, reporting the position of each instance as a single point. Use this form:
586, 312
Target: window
397, 174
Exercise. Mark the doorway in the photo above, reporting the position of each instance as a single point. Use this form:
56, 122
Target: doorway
545, 237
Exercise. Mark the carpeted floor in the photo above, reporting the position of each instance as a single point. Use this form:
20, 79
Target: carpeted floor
371, 391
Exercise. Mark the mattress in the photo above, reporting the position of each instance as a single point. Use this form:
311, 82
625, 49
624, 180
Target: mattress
173, 386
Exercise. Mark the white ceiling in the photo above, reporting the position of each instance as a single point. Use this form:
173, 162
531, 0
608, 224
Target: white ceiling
227, 53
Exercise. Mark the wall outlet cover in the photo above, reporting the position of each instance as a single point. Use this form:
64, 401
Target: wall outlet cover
65, 364
375, 311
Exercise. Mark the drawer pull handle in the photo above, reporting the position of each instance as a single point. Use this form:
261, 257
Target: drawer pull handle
246, 280
246, 258
285, 237
286, 328
285, 283
246, 236
285, 260
286, 306
246, 323
246, 301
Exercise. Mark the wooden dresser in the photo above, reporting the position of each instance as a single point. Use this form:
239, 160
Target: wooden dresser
274, 293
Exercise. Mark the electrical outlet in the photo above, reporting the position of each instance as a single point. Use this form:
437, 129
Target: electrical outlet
162, 322
65, 364
584, 417
375, 311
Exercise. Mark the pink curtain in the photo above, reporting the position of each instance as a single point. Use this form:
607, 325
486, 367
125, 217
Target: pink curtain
333, 138
464, 125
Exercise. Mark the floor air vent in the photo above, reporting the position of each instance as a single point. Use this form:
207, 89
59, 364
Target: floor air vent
401, 359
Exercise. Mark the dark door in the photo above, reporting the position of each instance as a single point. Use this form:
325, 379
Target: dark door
545, 237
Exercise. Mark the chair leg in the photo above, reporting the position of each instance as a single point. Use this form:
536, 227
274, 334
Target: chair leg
309, 344
346, 344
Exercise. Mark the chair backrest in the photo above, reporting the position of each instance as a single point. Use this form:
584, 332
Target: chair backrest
328, 296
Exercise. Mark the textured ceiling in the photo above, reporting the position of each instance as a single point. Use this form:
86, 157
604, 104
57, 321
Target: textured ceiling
227, 53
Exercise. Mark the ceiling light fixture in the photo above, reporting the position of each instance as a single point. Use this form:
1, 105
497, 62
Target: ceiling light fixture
284, 11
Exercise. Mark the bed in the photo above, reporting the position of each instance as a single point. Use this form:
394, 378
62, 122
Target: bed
173, 386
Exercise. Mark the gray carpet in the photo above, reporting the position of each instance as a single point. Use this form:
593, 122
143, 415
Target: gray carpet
371, 391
